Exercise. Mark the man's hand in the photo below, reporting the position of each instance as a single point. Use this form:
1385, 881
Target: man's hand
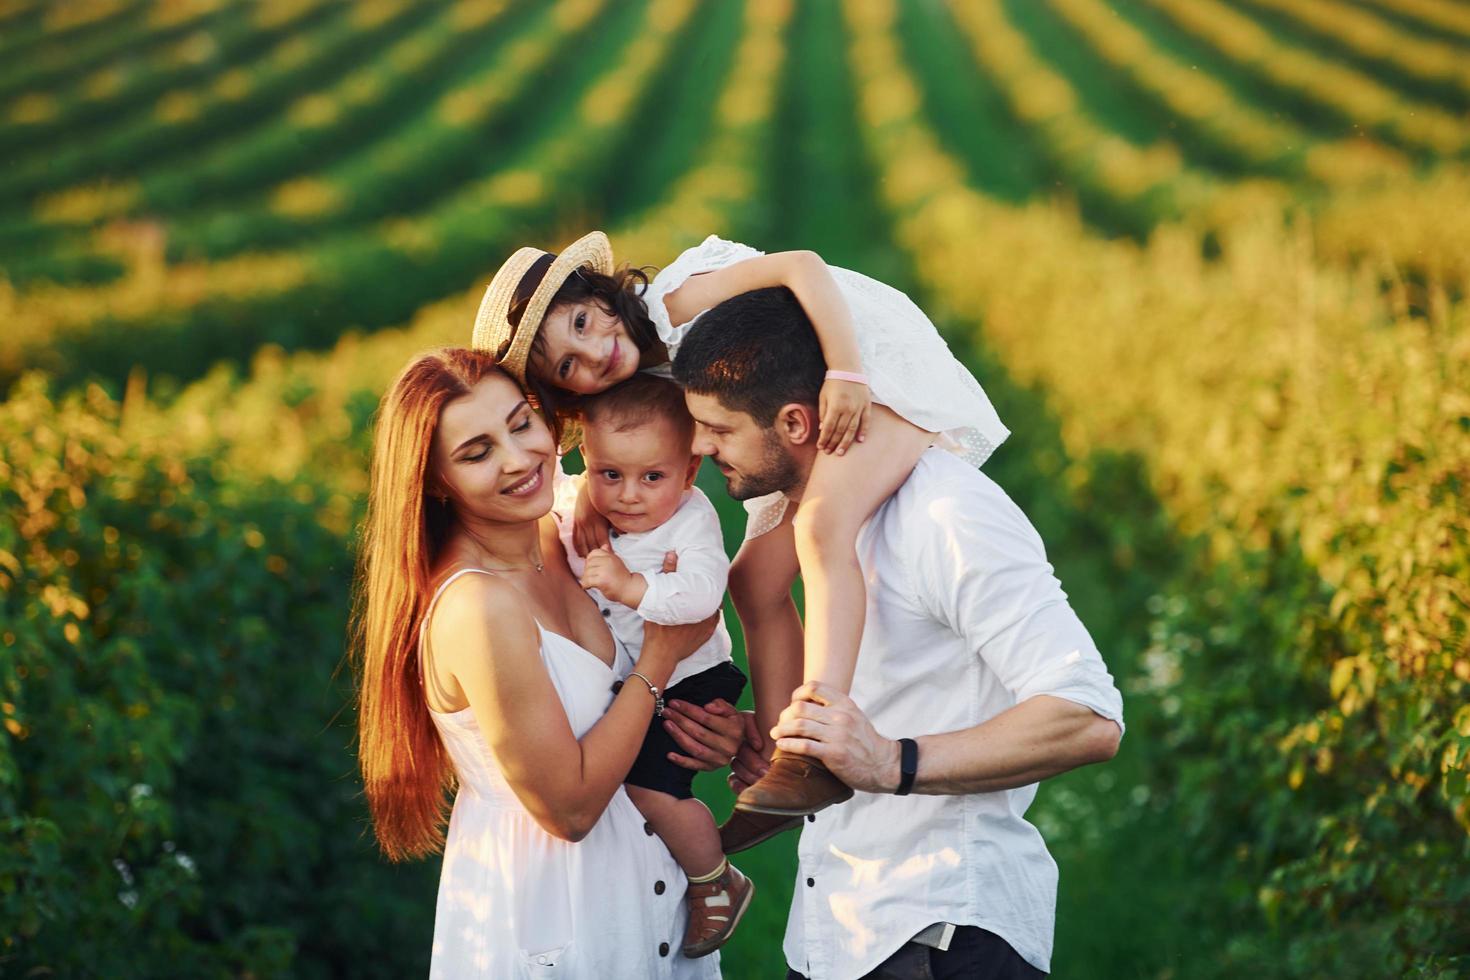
709, 736
826, 724
606, 573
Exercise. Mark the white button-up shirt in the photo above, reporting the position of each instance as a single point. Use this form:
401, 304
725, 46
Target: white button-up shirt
964, 620
688, 595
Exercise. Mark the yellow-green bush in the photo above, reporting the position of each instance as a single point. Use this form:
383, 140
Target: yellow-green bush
170, 770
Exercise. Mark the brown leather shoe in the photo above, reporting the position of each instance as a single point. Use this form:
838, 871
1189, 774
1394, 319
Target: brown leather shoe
715, 909
794, 786
745, 830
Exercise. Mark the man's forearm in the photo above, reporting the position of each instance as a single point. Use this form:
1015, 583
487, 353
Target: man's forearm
1037, 739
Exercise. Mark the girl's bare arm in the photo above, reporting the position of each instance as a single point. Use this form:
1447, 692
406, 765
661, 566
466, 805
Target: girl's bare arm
844, 405
803, 272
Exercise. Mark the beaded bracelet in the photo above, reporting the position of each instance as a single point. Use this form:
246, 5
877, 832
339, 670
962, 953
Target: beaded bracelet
658, 698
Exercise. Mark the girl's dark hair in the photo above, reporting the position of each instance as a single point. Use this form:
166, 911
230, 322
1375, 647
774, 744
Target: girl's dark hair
620, 294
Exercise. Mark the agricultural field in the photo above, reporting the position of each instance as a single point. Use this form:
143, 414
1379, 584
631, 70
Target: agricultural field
1210, 258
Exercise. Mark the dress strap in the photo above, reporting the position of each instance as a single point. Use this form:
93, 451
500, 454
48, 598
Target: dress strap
424, 624
440, 591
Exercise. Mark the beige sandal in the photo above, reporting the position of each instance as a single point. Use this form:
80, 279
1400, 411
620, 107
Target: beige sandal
715, 909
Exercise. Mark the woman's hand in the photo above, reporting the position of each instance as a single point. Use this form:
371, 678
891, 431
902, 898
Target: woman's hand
844, 407
589, 528
710, 737
752, 759
665, 646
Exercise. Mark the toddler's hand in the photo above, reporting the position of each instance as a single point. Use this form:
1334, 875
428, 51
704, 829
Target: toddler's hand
589, 528
844, 407
606, 572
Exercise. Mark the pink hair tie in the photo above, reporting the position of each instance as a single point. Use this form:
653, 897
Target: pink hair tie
855, 378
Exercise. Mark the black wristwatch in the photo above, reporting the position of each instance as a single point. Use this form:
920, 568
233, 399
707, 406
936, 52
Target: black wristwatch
908, 765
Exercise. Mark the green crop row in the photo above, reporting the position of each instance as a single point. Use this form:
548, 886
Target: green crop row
1209, 112
18, 17
469, 131
483, 119
1451, 19
88, 106
1006, 159
323, 124
184, 120
1132, 187
1352, 96
1436, 70
74, 37
316, 128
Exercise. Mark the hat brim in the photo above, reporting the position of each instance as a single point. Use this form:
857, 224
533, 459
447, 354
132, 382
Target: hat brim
512, 344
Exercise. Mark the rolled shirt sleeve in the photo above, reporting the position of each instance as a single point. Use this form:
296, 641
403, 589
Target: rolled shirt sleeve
982, 571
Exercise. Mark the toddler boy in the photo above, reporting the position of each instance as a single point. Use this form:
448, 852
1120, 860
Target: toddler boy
640, 477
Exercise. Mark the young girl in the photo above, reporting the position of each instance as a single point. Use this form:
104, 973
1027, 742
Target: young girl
574, 323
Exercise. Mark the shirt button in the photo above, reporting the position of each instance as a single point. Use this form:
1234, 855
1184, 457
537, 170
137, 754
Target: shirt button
607, 612
663, 949
811, 818
658, 888
811, 882
541, 960
648, 829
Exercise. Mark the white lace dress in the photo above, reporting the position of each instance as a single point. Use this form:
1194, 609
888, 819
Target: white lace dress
909, 366
516, 903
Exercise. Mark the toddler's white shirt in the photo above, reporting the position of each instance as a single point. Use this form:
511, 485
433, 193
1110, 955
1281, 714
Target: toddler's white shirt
688, 595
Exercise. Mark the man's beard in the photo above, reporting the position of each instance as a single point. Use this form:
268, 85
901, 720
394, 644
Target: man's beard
777, 471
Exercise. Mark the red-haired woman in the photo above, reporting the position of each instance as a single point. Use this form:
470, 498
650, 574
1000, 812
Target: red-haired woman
484, 665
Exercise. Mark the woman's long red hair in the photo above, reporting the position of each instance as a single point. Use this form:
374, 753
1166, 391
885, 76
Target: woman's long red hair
406, 772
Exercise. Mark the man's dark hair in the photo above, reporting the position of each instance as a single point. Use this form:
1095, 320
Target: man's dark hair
754, 352
642, 399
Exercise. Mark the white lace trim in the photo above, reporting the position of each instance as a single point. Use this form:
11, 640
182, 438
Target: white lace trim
762, 514
711, 254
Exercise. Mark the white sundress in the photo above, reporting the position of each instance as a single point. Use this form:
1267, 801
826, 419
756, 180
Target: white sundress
909, 366
516, 903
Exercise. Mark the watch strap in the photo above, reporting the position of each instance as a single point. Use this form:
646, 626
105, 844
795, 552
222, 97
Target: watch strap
908, 765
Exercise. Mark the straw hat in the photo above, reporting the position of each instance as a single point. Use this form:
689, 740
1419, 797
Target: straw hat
531, 276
